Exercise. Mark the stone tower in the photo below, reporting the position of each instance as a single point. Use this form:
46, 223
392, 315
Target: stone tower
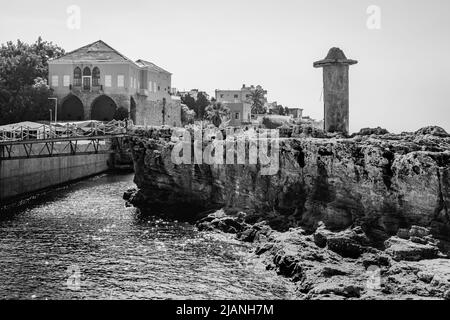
335, 85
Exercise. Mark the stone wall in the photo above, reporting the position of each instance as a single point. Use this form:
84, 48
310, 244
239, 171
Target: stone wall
150, 113
147, 112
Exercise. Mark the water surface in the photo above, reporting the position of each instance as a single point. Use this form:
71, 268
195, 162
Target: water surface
81, 242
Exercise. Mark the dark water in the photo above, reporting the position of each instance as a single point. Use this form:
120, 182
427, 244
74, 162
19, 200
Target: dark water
81, 242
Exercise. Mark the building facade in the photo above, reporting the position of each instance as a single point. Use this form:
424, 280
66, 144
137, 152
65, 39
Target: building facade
239, 103
296, 113
236, 96
96, 82
240, 114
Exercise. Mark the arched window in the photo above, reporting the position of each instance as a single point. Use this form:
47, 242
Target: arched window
86, 72
96, 77
77, 77
87, 79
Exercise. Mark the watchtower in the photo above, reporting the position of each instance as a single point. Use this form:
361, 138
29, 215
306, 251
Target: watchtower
336, 90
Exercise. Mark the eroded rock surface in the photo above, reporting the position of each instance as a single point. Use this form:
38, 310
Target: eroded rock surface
343, 265
381, 183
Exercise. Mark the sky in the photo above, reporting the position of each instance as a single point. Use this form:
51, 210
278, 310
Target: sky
401, 83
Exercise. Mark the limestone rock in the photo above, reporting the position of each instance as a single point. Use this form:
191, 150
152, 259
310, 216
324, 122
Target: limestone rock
447, 295
349, 243
222, 222
370, 131
432, 130
401, 249
382, 183
320, 273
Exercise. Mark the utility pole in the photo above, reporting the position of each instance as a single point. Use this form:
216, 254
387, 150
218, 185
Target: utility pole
164, 111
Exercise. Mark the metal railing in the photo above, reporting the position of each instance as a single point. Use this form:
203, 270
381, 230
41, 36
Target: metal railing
67, 131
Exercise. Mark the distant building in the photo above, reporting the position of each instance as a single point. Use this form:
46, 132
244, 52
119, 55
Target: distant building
239, 102
296, 113
240, 113
272, 107
93, 82
236, 96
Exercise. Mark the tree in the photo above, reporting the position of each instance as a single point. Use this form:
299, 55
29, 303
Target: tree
24, 91
187, 115
216, 113
257, 101
201, 104
189, 101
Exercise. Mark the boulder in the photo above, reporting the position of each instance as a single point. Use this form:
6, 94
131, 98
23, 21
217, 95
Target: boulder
376, 131
129, 193
432, 130
349, 243
288, 265
220, 221
343, 287
402, 249
447, 295
255, 232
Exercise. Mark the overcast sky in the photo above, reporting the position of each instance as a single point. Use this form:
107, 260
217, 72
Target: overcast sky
402, 81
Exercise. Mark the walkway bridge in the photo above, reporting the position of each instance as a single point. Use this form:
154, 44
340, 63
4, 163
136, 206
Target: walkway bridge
56, 140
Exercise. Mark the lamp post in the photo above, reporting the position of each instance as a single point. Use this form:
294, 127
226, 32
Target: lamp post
56, 108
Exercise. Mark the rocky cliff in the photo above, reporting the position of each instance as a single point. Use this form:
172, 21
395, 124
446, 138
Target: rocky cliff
382, 183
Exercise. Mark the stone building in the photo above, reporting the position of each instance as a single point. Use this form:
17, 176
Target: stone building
240, 113
236, 96
97, 82
296, 113
239, 103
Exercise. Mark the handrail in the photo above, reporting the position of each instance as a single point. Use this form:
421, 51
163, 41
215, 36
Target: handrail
46, 132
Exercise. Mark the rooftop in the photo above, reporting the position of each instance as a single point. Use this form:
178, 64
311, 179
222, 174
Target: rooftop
100, 51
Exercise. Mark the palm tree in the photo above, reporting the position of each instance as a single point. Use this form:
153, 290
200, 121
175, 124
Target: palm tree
257, 101
216, 112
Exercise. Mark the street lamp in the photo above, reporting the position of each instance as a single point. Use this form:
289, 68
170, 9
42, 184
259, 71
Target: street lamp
56, 108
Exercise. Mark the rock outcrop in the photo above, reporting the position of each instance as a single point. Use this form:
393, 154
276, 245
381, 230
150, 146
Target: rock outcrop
380, 183
343, 265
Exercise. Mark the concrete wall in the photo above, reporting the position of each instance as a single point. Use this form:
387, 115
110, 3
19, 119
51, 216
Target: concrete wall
23, 176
